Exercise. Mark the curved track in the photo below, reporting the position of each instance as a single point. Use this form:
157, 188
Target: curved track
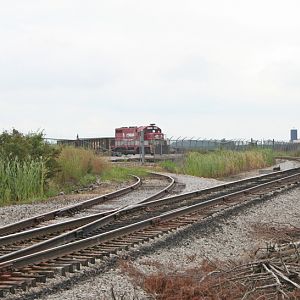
134, 225
100, 204
47, 235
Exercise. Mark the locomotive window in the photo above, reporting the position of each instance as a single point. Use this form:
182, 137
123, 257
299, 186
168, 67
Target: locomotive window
152, 130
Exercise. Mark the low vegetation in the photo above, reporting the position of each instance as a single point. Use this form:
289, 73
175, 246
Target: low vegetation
289, 154
274, 274
119, 174
31, 169
78, 166
21, 180
26, 164
221, 163
28, 147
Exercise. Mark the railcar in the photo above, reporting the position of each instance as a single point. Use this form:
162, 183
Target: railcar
128, 140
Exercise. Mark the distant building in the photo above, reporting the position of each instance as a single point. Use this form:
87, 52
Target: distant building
294, 135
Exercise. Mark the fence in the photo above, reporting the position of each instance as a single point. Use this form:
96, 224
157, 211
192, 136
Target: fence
100, 145
182, 145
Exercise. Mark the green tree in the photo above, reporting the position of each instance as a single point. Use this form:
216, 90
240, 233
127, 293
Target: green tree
31, 146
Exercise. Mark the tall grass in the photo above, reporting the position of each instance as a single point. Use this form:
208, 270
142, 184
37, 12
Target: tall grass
80, 167
77, 164
21, 180
169, 166
225, 163
118, 173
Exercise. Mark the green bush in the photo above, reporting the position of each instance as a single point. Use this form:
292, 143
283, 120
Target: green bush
26, 164
31, 146
21, 180
78, 166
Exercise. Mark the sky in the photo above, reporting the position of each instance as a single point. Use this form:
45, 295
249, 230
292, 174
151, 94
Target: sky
203, 69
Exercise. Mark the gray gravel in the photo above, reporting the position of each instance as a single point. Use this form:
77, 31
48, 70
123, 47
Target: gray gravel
14, 213
220, 238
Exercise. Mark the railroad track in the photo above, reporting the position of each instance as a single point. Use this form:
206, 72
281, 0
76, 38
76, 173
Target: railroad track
100, 204
155, 189
133, 225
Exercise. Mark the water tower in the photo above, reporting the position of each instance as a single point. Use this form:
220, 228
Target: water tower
294, 135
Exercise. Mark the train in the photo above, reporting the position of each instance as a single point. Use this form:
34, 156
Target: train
129, 140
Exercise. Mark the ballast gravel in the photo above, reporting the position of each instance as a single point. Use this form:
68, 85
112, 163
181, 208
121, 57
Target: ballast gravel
14, 213
223, 237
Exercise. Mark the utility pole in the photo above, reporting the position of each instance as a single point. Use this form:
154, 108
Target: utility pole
142, 147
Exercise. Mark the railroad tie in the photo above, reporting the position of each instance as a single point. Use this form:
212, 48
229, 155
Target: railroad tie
84, 260
97, 254
17, 284
6, 288
42, 273
58, 270
76, 264
36, 277
59, 265
29, 281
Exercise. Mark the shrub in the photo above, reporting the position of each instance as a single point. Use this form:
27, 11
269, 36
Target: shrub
26, 163
76, 163
21, 180
31, 146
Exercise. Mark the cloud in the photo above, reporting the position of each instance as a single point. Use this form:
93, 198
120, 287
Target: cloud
208, 68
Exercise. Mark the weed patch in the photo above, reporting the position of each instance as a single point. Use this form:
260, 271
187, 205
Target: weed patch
21, 180
79, 166
221, 163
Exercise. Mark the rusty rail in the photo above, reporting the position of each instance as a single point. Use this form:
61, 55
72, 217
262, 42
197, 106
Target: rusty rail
86, 225
69, 210
48, 254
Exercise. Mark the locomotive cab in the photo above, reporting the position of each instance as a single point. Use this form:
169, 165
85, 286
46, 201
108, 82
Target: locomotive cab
128, 139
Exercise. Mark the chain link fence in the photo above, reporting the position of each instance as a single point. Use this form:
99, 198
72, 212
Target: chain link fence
181, 145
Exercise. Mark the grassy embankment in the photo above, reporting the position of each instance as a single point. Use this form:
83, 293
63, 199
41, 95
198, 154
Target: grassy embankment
221, 163
28, 180
81, 167
21, 179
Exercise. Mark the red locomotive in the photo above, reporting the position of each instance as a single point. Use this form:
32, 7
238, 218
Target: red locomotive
128, 139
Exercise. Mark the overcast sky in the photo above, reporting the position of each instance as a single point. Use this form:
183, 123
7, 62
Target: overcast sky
214, 69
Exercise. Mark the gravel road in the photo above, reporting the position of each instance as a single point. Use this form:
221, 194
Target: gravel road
219, 238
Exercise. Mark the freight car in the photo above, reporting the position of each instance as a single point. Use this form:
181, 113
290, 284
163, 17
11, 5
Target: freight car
129, 140
102, 145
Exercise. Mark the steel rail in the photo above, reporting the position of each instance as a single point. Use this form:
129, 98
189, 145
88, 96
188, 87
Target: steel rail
75, 223
164, 191
219, 187
96, 223
16, 261
68, 210
25, 271
100, 219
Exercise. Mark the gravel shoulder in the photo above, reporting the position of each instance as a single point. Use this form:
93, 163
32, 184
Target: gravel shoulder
15, 213
219, 238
